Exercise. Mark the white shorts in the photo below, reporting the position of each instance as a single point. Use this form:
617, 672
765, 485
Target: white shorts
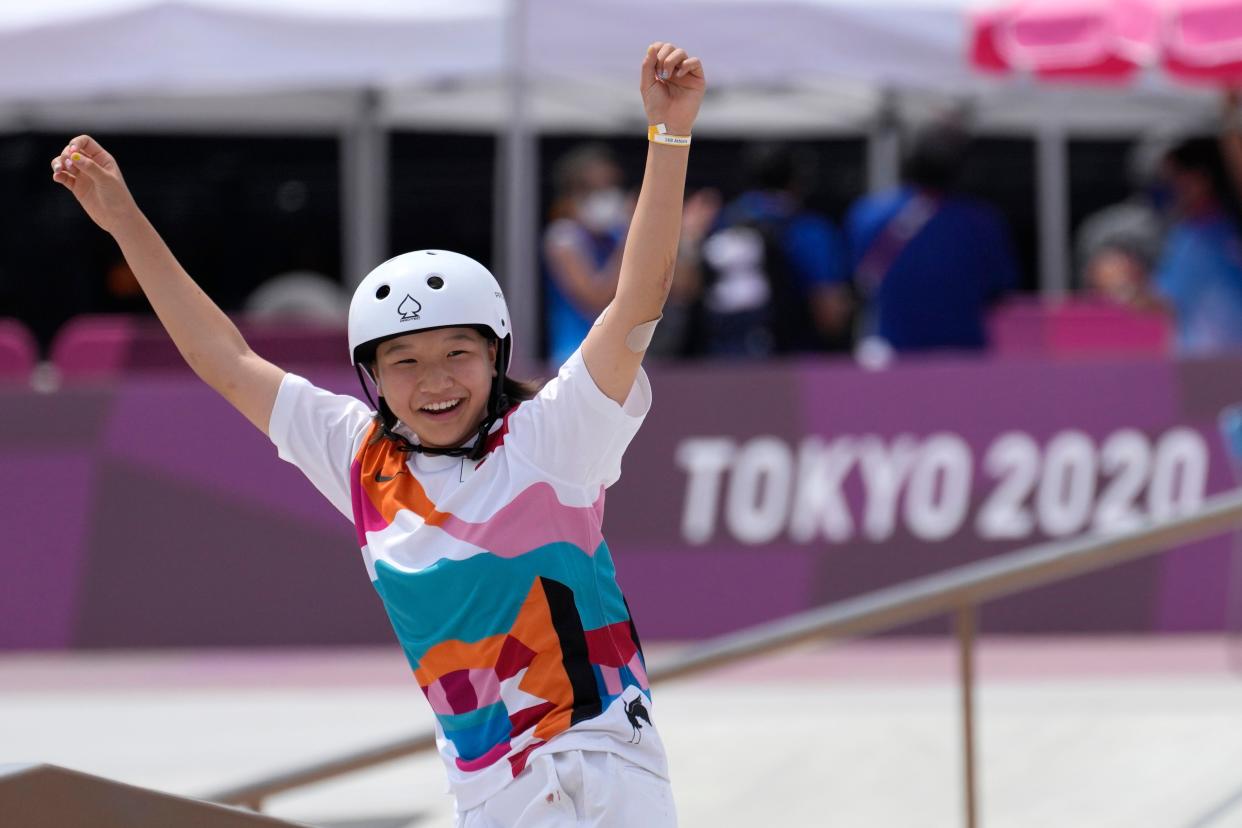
578, 788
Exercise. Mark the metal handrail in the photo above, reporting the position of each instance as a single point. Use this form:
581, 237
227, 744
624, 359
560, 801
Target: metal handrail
956, 590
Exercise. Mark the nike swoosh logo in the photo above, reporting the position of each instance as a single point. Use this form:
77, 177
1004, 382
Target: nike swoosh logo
384, 478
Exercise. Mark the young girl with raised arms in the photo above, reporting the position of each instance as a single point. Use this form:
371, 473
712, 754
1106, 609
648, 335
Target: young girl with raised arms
478, 504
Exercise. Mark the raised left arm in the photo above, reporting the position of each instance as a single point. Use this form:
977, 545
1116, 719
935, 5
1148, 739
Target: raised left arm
672, 85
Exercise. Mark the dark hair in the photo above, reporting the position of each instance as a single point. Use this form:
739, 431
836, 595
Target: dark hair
777, 166
568, 172
1201, 155
936, 157
513, 391
519, 391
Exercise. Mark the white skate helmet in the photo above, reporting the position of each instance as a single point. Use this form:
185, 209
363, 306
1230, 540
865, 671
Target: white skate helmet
419, 291
422, 290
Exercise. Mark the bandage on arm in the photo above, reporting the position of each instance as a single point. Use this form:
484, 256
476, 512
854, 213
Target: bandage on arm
639, 337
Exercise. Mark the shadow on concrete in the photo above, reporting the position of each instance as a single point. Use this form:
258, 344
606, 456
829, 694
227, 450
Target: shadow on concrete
406, 821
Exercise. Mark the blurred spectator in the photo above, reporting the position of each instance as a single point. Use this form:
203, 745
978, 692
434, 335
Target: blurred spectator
774, 276
927, 260
299, 296
1118, 246
673, 336
582, 245
1200, 270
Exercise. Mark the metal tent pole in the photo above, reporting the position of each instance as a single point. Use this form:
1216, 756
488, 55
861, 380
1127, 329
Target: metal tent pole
884, 147
516, 212
1052, 192
364, 190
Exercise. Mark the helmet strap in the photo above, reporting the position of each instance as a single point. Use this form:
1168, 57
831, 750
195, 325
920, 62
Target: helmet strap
497, 404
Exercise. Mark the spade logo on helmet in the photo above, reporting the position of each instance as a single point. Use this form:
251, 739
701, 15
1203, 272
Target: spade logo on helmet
409, 308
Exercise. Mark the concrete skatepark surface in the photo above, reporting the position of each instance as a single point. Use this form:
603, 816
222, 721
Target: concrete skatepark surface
1101, 732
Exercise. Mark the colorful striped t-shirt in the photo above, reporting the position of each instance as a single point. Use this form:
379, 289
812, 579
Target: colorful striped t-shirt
494, 573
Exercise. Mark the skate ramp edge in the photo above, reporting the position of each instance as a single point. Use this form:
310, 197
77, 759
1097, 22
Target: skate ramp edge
47, 796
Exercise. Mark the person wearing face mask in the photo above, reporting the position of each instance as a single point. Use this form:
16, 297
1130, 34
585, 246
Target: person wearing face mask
582, 245
1118, 246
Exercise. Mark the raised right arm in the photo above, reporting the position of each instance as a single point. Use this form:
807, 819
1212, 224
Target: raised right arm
206, 338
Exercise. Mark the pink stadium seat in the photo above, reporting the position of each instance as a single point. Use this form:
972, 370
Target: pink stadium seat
102, 347
1077, 327
18, 351
94, 346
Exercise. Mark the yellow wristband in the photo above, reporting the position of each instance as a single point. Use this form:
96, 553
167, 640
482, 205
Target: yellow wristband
658, 134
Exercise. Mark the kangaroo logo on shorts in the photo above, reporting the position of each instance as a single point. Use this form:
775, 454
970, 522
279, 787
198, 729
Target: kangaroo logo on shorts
409, 308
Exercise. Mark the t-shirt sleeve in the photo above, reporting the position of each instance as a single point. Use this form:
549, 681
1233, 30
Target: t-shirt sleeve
573, 431
319, 432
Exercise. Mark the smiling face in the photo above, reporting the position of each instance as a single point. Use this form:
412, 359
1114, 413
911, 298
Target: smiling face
438, 382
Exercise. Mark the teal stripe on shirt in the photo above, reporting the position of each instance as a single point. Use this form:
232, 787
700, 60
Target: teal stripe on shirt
481, 596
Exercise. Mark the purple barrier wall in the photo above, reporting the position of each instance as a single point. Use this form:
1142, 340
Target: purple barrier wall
149, 513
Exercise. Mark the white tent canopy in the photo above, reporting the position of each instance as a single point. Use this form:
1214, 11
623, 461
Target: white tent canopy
788, 66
